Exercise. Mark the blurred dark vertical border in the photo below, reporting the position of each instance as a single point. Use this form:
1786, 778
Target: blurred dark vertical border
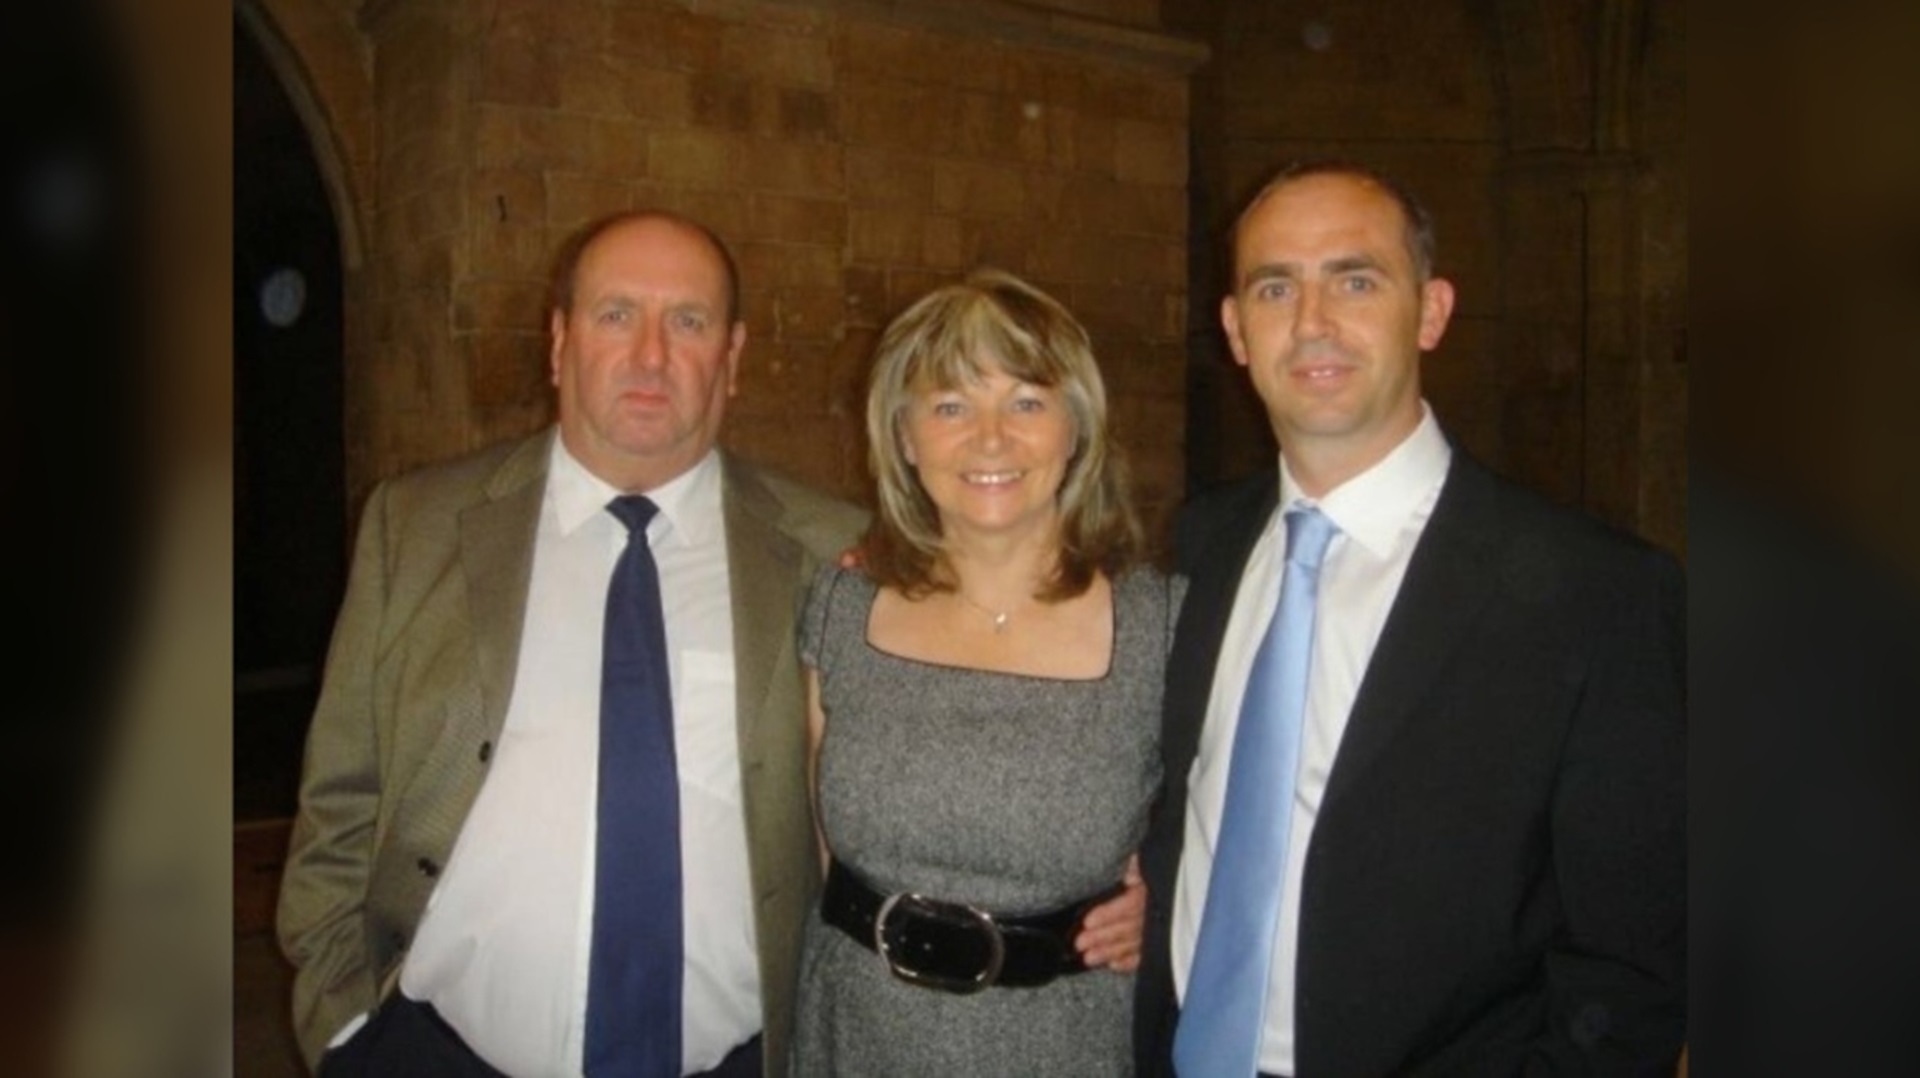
114, 202
73, 311
1804, 538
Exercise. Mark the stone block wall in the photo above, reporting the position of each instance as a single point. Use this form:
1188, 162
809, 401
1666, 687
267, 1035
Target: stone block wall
855, 154
1548, 142
860, 151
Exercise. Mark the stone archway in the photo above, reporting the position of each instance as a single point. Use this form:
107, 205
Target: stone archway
289, 495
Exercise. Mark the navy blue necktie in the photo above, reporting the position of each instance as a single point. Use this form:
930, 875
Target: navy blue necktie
633, 989
1225, 1005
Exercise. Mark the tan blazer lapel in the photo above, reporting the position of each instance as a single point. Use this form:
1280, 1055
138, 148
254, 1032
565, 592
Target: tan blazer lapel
768, 569
496, 554
461, 706
765, 566
495, 538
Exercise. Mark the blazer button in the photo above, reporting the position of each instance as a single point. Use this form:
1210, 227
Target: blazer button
486, 751
427, 868
1591, 1024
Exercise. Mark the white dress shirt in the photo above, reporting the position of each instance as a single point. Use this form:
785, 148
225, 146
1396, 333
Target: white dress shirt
504, 947
1381, 514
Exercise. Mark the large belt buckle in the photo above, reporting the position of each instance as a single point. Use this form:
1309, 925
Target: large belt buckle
956, 914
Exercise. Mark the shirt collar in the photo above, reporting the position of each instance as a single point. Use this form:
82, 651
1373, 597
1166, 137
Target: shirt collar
1373, 507
689, 503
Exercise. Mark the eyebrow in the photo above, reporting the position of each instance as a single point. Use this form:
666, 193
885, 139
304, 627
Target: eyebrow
629, 300
1292, 271
1351, 263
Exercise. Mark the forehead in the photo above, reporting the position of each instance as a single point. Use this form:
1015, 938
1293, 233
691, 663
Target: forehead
1319, 216
651, 257
952, 368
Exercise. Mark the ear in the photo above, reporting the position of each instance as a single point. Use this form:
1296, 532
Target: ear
557, 330
736, 343
1230, 321
1436, 307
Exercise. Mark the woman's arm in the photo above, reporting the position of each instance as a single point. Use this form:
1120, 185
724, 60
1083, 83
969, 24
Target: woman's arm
817, 729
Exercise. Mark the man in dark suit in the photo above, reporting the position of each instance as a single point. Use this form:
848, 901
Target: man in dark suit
452, 753
1483, 870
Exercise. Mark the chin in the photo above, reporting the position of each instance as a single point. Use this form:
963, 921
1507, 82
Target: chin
1320, 423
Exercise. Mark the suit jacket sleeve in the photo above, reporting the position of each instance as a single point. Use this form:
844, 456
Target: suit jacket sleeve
321, 922
1617, 977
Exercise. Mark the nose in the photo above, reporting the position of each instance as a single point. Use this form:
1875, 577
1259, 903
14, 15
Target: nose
987, 430
1310, 321
650, 350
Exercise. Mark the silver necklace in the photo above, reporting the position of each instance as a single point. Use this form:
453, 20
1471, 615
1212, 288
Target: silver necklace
999, 616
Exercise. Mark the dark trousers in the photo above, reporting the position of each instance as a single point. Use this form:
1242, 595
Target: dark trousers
404, 1036
407, 1037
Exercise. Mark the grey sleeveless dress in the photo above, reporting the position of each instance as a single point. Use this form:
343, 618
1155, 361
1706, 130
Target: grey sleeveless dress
1014, 794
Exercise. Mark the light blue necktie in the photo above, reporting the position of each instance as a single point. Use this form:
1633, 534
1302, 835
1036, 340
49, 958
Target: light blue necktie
1222, 1014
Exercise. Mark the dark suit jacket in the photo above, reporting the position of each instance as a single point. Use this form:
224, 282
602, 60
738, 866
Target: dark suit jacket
416, 690
1496, 878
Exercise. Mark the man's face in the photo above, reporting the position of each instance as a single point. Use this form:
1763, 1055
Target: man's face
1329, 316
646, 358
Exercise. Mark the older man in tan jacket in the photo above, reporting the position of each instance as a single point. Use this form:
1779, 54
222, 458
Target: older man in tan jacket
442, 764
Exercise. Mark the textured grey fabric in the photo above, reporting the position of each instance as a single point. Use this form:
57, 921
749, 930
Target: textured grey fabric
1015, 794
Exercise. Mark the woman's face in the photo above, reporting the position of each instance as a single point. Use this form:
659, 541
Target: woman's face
991, 454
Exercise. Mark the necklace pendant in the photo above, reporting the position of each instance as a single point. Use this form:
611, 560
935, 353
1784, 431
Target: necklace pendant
1000, 623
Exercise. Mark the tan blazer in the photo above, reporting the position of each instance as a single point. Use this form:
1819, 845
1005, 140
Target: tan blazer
416, 690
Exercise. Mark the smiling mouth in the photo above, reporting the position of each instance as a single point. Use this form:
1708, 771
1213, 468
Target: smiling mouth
1321, 370
991, 479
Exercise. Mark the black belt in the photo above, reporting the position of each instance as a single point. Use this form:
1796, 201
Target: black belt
953, 946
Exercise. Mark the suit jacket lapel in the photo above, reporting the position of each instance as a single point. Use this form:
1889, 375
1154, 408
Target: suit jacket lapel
768, 568
1448, 581
764, 564
1213, 570
494, 544
496, 555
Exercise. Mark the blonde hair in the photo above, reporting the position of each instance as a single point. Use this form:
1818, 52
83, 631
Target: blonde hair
957, 334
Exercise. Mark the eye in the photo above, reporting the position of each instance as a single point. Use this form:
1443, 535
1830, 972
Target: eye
1030, 402
1273, 288
1360, 283
614, 316
688, 320
946, 407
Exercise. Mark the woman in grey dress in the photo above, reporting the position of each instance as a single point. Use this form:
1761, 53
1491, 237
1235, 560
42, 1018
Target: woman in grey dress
985, 708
